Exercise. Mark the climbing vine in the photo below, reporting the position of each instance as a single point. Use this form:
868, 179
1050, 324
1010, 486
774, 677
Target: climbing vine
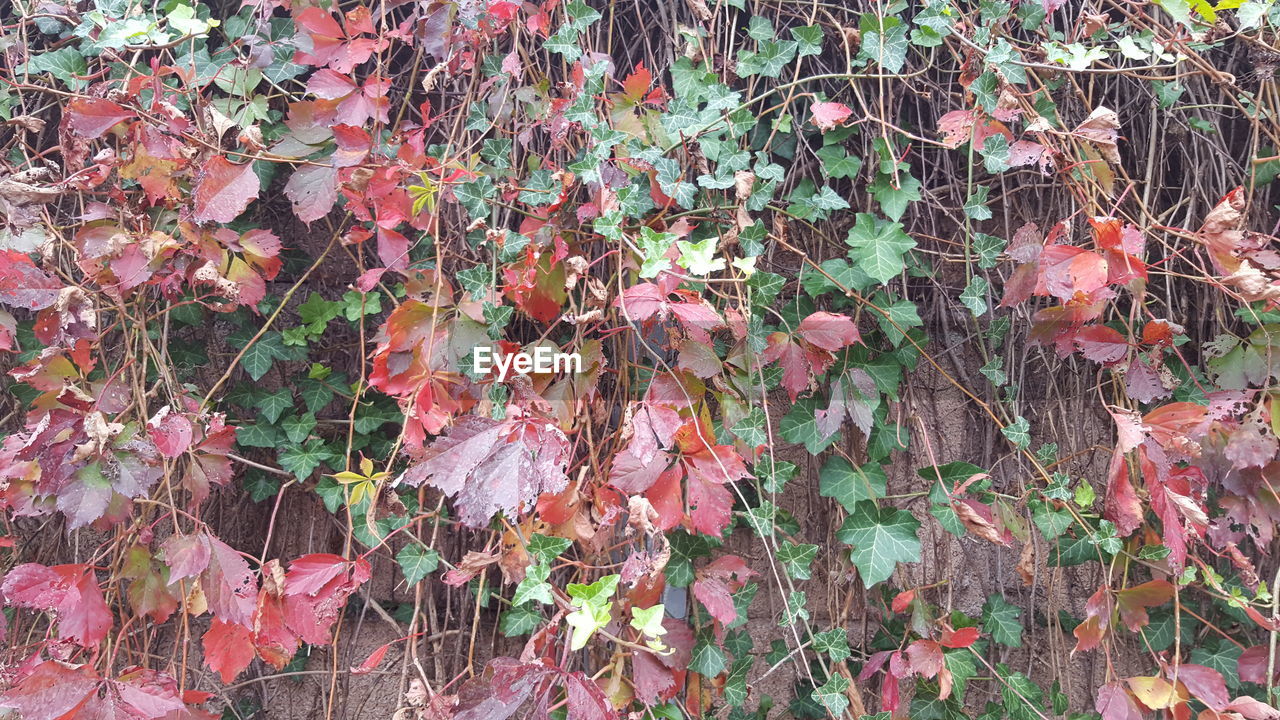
294, 257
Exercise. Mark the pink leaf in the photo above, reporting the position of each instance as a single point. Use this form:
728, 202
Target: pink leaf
1115, 703
827, 115
829, 331
170, 431
223, 190
51, 691
313, 189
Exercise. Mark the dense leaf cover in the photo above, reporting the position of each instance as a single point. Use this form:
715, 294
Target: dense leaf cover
742, 284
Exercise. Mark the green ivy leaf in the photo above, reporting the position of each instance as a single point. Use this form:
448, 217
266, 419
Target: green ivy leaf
833, 642
751, 428
298, 427
800, 425
880, 539
1000, 620
417, 561
708, 660
797, 559
774, 474
842, 481
832, 694
878, 247
974, 295
302, 460
534, 586
895, 194
520, 620
1018, 432
545, 548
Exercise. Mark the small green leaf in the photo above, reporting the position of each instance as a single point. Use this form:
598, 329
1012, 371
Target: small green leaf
1018, 432
417, 561
1000, 620
832, 694
797, 559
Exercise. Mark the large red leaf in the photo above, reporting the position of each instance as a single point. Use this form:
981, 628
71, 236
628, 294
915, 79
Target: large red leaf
91, 117
69, 591
52, 690
223, 190
491, 466
228, 649
23, 285
1115, 703
829, 331
228, 584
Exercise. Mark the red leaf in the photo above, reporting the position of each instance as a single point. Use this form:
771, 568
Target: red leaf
793, 361
709, 504
653, 680
69, 591
1121, 505
1252, 664
371, 662
1066, 270
715, 584
491, 466
393, 249
1143, 382
51, 691
957, 127
313, 189
1089, 633
1101, 344
903, 600
186, 555
228, 649
91, 117
829, 331
310, 573
1134, 602
632, 475
23, 285
148, 694
223, 190
637, 84
228, 584
170, 431
827, 115
962, 638
925, 656
1252, 709
643, 301
1206, 684
586, 700
1115, 703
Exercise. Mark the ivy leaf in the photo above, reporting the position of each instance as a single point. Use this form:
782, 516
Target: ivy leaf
774, 474
520, 620
708, 659
1000, 620
302, 460
545, 548
878, 247
800, 425
417, 561
261, 355
699, 258
751, 428
298, 427
842, 481
833, 642
272, 404
881, 538
534, 586
976, 205
894, 195
832, 694
797, 559
974, 296
1018, 432
884, 41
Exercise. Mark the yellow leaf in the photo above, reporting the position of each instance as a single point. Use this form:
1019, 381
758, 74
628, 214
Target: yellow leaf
366, 466
346, 477
1156, 693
